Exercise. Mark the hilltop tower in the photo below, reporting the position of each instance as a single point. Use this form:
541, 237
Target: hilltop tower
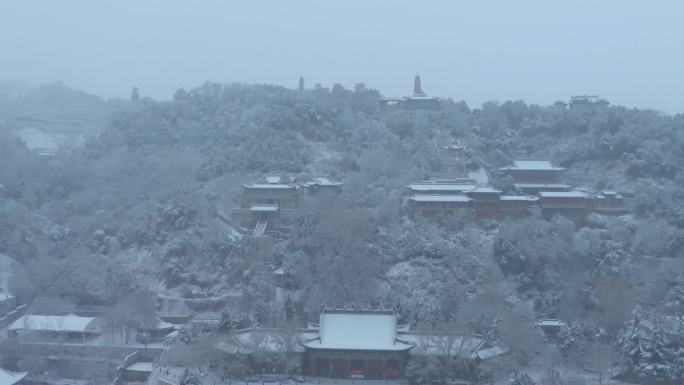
417, 89
301, 82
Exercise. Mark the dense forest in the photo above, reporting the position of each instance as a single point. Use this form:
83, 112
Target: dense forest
133, 209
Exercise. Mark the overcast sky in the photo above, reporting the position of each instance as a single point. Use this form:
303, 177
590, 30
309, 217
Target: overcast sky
629, 52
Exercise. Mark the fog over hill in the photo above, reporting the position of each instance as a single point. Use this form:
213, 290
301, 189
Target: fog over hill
540, 51
145, 209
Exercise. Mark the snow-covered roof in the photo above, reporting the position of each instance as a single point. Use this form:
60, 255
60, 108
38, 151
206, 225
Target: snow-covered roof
269, 186
357, 330
442, 186
67, 323
489, 190
161, 324
550, 322
563, 194
487, 353
435, 343
265, 340
555, 186
533, 165
4, 296
421, 98
264, 207
439, 198
10, 378
525, 198
325, 182
609, 194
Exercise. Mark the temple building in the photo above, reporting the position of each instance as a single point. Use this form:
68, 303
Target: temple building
610, 203
442, 186
485, 202
419, 100
321, 184
516, 206
357, 344
530, 176
69, 327
571, 204
538, 187
441, 196
264, 200
449, 196
265, 203
583, 100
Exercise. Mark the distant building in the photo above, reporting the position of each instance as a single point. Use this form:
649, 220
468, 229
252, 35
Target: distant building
610, 203
449, 196
70, 327
419, 100
537, 182
269, 199
264, 203
582, 100
486, 202
533, 171
321, 184
441, 196
358, 344
516, 205
427, 204
551, 327
300, 87
571, 204
536, 188
442, 186
530, 176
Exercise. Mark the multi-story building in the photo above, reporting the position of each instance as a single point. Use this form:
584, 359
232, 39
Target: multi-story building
264, 203
531, 176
